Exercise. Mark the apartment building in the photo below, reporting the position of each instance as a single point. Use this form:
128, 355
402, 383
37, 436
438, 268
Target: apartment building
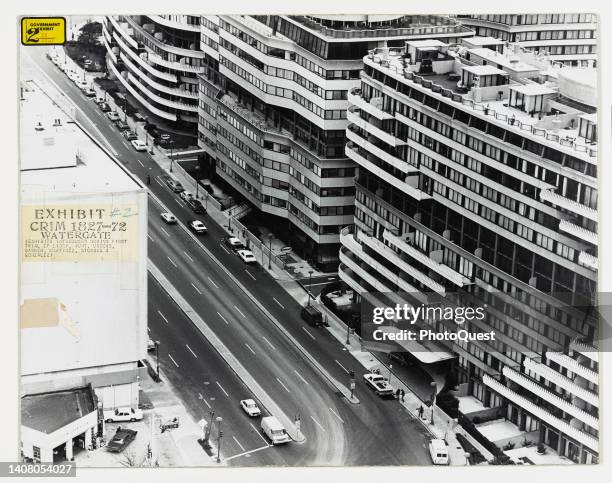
273, 112
477, 181
157, 59
569, 38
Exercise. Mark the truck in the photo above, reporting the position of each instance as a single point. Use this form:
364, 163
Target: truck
274, 430
438, 452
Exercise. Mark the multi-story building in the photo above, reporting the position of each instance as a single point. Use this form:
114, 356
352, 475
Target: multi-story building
570, 38
478, 179
272, 112
157, 59
83, 285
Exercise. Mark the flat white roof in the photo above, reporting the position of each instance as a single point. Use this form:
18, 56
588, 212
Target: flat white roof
533, 89
48, 156
478, 40
419, 44
483, 69
502, 60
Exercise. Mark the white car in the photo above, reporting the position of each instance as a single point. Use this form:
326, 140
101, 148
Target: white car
246, 256
186, 195
234, 243
380, 384
197, 226
169, 218
122, 414
139, 145
113, 115
150, 345
250, 407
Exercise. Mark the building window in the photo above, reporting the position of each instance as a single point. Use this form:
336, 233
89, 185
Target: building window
36, 452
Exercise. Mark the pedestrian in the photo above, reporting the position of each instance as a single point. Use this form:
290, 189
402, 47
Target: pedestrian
403, 393
397, 394
421, 411
148, 179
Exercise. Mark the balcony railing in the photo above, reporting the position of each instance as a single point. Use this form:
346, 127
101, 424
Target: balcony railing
162, 20
124, 49
574, 366
162, 100
350, 281
362, 273
542, 414
160, 87
570, 205
588, 260
355, 98
156, 59
379, 153
579, 232
353, 116
585, 349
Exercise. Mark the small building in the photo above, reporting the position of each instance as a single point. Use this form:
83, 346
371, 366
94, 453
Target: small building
53, 423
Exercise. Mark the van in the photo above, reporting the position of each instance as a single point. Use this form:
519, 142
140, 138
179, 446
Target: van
438, 452
312, 315
174, 184
274, 430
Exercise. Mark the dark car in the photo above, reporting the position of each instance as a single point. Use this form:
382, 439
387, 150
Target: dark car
122, 438
196, 206
130, 135
312, 315
122, 125
104, 107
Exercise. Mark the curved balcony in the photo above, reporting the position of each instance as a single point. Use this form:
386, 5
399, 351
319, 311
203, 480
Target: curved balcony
574, 366
175, 91
345, 275
373, 107
156, 59
567, 204
143, 63
362, 273
585, 349
124, 33
579, 232
588, 260
162, 100
379, 153
162, 20
353, 116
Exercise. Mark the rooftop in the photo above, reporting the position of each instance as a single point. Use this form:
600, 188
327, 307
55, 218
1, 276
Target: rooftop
506, 62
483, 70
482, 41
50, 411
57, 155
533, 89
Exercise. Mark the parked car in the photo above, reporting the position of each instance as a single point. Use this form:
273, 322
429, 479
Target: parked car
186, 195
174, 184
122, 414
196, 206
150, 345
380, 384
250, 407
122, 125
312, 315
234, 243
274, 430
122, 438
139, 145
438, 452
113, 115
246, 256
197, 226
130, 135
89, 92
99, 100
169, 218
104, 107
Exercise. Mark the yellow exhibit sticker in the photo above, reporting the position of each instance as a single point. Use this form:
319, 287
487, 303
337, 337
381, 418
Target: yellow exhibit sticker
80, 233
43, 30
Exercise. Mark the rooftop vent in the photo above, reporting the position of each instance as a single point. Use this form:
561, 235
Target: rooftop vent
39, 127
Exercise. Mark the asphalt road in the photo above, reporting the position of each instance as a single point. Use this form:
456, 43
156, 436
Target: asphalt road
375, 432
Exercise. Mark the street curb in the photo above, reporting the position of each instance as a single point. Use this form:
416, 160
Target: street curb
331, 380
222, 350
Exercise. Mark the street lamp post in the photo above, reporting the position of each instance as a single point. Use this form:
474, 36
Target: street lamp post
434, 386
208, 428
270, 236
219, 419
171, 154
310, 272
157, 359
197, 171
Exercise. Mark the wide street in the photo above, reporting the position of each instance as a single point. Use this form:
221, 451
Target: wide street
229, 296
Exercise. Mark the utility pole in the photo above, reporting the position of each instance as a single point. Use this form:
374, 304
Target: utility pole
434, 386
219, 419
270, 236
171, 153
208, 429
197, 171
309, 288
157, 360
352, 384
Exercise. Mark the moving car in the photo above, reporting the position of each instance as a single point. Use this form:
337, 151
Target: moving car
139, 145
380, 385
122, 125
113, 115
174, 184
122, 438
234, 243
130, 135
197, 226
274, 430
246, 256
438, 452
312, 315
250, 407
169, 218
186, 195
104, 107
122, 414
89, 92
196, 206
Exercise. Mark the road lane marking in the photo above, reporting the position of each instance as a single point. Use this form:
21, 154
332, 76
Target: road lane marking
196, 289
249, 347
212, 281
337, 415
317, 423
150, 238
344, 368
238, 443
162, 316
281, 305
172, 262
224, 248
189, 349
180, 202
311, 336
162, 229
141, 163
300, 376
260, 435
250, 451
223, 318
205, 401
173, 360
187, 255
315, 284
269, 343
149, 330
250, 274
221, 387
281, 383
160, 183
239, 311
